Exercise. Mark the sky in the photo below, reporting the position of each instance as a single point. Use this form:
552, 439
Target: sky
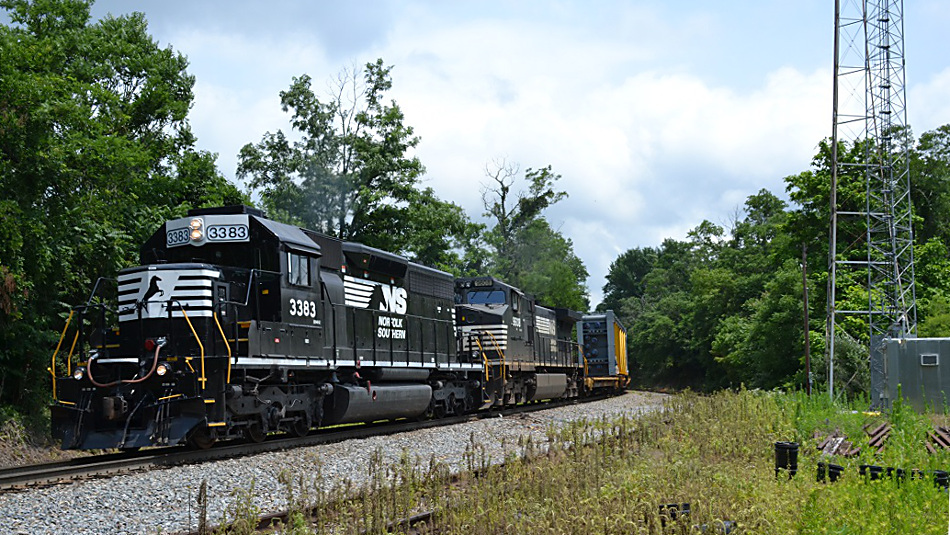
657, 115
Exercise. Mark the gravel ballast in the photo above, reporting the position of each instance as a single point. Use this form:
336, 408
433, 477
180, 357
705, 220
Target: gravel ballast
164, 501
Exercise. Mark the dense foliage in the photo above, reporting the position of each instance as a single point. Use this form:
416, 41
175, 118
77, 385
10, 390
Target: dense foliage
725, 306
95, 152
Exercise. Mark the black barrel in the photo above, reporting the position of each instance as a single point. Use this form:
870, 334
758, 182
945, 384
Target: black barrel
786, 457
829, 471
672, 511
871, 472
941, 478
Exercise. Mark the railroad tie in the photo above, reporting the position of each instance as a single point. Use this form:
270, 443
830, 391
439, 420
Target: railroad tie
939, 437
837, 443
878, 435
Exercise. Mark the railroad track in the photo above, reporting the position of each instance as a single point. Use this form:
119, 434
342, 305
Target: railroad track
65, 472
267, 522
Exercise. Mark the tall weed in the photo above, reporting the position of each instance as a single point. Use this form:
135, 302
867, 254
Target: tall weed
614, 476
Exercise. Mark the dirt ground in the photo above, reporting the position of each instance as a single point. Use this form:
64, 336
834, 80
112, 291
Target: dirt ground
20, 447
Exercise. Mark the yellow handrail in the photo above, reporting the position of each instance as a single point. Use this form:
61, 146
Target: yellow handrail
497, 348
69, 359
504, 364
200, 345
484, 359
52, 364
226, 344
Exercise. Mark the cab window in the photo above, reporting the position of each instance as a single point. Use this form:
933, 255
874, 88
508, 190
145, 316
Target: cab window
298, 269
486, 297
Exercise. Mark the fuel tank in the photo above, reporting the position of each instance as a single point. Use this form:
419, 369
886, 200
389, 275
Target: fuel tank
350, 403
549, 386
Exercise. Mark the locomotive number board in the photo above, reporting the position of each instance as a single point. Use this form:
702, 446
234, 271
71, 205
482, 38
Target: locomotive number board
209, 228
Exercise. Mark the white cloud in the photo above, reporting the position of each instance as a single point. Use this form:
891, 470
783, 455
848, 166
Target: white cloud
644, 155
928, 105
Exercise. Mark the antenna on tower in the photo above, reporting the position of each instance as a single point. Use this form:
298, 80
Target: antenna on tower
870, 142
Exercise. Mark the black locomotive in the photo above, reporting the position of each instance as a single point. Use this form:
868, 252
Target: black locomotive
236, 325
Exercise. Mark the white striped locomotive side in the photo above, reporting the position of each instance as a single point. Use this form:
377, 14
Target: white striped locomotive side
149, 292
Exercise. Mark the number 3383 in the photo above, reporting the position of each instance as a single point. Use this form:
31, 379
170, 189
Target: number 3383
299, 307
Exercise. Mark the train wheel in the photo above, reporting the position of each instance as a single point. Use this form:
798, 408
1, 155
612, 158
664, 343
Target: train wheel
430, 411
255, 432
301, 426
203, 437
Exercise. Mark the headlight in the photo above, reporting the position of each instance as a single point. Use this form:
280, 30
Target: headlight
196, 226
163, 368
78, 373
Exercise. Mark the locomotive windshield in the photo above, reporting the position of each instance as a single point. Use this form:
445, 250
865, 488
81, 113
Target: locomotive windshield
232, 255
486, 297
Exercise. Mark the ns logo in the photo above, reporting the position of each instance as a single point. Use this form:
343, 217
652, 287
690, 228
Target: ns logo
394, 299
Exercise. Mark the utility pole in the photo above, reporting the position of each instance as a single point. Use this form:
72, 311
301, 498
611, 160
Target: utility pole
807, 337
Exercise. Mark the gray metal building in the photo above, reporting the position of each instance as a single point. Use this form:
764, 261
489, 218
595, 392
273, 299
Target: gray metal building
921, 366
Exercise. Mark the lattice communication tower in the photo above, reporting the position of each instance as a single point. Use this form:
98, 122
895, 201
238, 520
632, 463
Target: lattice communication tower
871, 240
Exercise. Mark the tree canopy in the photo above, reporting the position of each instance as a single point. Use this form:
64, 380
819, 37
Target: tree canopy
523, 249
351, 173
95, 152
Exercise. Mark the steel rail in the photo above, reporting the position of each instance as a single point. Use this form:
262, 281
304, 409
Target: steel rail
23, 478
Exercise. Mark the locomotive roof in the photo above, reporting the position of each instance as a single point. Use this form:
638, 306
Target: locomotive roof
291, 236
335, 252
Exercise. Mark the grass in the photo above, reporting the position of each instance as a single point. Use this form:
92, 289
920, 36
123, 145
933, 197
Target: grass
611, 476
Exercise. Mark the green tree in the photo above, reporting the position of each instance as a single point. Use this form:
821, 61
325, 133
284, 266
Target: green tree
765, 346
524, 250
350, 174
716, 310
692, 304
95, 151
441, 234
936, 313
657, 319
930, 185
625, 277
549, 268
